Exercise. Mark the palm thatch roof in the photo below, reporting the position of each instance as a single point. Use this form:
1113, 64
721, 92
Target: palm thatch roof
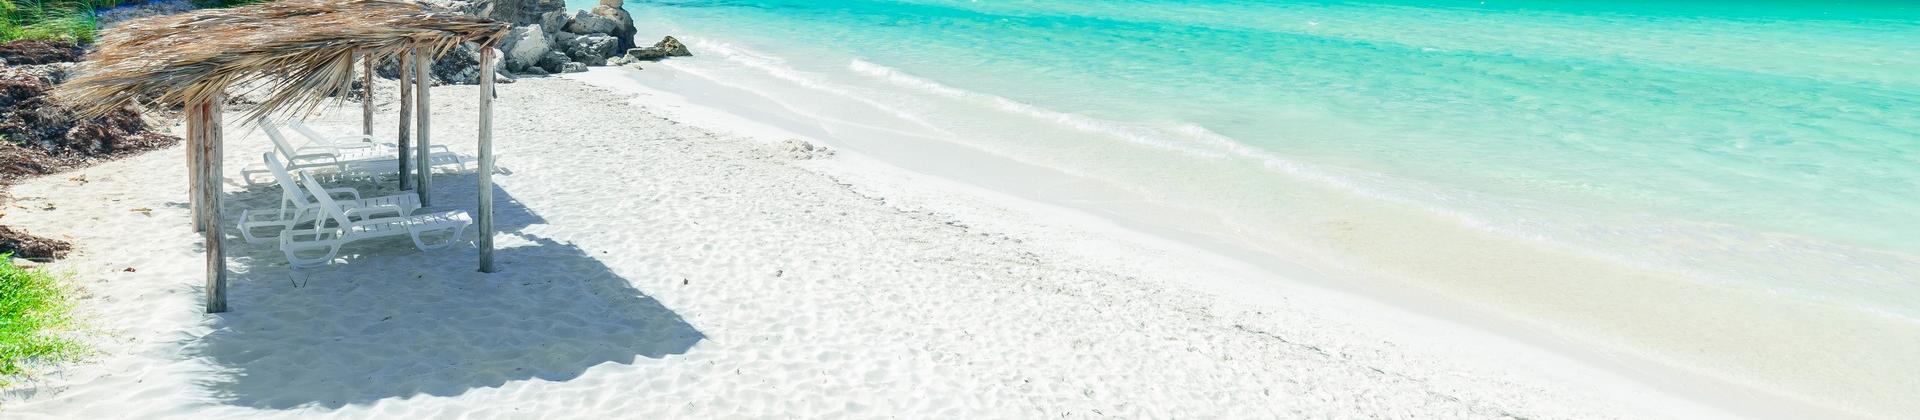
299, 51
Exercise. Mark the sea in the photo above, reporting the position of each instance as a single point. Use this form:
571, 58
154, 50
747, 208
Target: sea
1729, 189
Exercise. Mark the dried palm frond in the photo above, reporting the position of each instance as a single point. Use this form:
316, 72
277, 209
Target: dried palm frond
299, 51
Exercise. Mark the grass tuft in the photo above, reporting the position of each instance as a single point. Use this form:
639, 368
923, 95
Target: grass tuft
70, 20
35, 315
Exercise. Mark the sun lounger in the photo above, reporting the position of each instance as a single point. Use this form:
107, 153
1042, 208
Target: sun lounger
297, 207
340, 161
341, 225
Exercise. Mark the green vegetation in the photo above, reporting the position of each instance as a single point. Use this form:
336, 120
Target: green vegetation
71, 20
34, 315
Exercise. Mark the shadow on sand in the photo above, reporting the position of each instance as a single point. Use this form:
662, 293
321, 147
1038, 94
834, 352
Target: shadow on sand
393, 322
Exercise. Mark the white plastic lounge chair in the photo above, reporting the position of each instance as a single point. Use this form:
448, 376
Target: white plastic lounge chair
297, 208
340, 226
317, 150
354, 141
374, 160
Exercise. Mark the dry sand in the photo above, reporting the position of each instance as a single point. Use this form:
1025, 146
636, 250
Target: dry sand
650, 267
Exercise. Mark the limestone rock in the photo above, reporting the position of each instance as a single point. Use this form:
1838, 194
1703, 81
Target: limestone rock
592, 49
554, 20
516, 12
573, 67
623, 22
586, 22
553, 61
524, 46
668, 47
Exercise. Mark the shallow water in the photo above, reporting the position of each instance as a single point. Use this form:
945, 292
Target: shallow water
1764, 148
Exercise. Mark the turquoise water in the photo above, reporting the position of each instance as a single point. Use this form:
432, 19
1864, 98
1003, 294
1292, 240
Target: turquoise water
1697, 124
1763, 146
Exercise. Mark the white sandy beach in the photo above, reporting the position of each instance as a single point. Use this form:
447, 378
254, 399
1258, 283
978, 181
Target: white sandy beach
661, 259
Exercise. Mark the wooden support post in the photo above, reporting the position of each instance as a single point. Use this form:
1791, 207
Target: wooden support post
203, 128
423, 112
486, 160
366, 95
193, 180
406, 118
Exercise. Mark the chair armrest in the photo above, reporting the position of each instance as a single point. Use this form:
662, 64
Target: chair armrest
348, 191
373, 210
353, 145
356, 138
330, 157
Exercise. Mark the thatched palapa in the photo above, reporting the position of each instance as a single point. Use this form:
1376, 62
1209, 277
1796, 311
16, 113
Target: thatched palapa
298, 49
299, 52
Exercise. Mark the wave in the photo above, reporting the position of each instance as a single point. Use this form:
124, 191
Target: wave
776, 67
1707, 251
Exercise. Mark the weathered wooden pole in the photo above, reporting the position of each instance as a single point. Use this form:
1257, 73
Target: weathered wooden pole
406, 118
422, 63
193, 179
486, 159
203, 130
366, 95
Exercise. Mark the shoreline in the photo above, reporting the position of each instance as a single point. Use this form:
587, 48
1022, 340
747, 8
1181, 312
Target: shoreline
775, 269
1263, 280
1268, 275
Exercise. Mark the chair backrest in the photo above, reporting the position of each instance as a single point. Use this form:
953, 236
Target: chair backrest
279, 141
304, 130
327, 204
290, 189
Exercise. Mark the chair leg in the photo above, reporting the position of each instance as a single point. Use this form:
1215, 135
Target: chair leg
452, 237
296, 262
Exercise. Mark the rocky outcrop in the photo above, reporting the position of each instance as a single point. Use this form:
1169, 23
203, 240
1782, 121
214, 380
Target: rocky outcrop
516, 12
585, 22
592, 50
668, 47
460, 66
545, 38
623, 29
525, 46
553, 62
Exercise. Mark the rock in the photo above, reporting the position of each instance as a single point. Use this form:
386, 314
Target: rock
563, 39
525, 46
592, 49
460, 66
553, 61
673, 47
516, 12
668, 47
623, 22
573, 67
534, 71
585, 22
554, 20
